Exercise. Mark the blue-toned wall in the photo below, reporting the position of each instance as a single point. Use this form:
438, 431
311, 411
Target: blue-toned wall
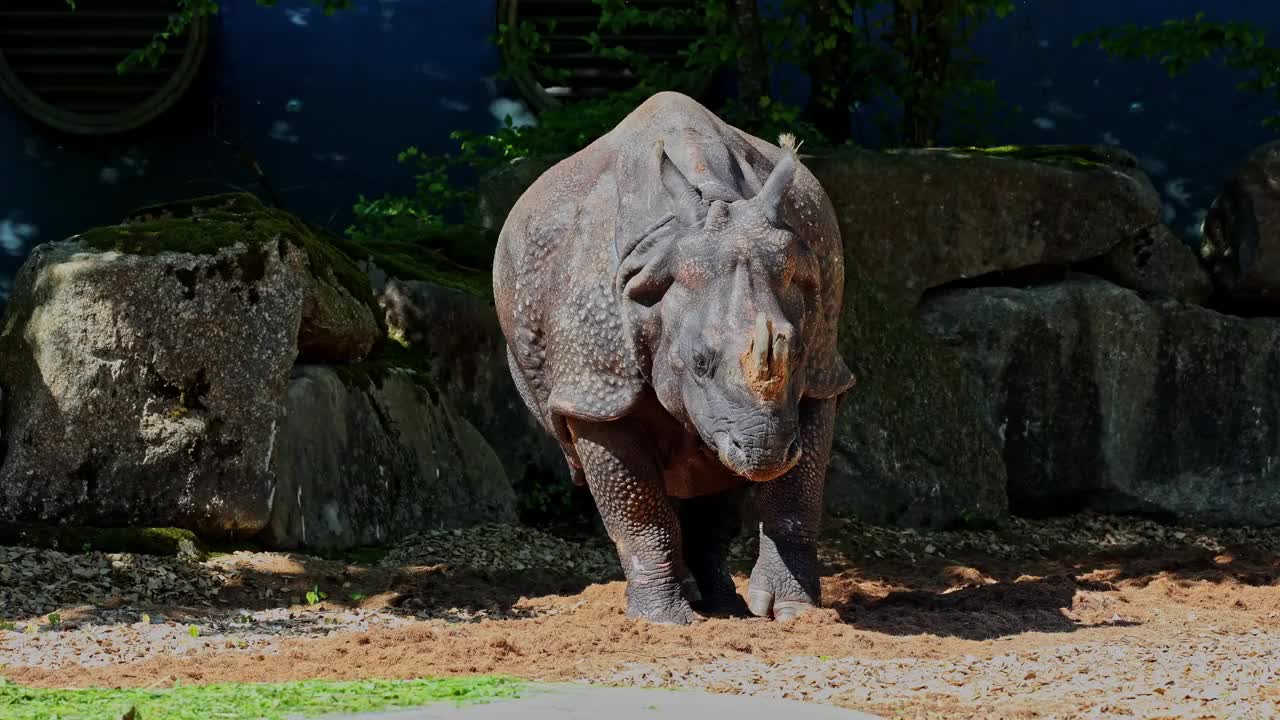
1190, 132
325, 103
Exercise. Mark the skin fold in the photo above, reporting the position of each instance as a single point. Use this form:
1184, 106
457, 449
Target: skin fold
669, 296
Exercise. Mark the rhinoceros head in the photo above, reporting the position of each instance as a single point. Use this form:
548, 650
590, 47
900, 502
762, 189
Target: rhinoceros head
721, 289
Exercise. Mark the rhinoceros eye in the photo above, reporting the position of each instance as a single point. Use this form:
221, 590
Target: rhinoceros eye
702, 365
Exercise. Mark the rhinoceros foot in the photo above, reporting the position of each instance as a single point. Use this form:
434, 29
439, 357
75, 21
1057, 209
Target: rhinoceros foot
659, 604
784, 582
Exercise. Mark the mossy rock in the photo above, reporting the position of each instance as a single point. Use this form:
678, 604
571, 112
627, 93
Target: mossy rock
210, 224
917, 220
912, 446
1075, 157
73, 539
410, 261
389, 358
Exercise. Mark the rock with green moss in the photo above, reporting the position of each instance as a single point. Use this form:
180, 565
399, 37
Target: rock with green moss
70, 539
339, 316
920, 219
147, 388
912, 444
371, 453
451, 333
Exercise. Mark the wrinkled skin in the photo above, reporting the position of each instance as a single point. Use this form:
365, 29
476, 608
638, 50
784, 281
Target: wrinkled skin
669, 297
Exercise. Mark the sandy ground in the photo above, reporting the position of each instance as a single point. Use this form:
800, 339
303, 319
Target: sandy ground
1087, 618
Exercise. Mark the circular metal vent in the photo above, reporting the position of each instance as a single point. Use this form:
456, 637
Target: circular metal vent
588, 75
59, 65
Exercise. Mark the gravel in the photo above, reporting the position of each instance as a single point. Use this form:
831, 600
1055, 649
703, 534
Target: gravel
508, 548
129, 636
35, 582
1194, 675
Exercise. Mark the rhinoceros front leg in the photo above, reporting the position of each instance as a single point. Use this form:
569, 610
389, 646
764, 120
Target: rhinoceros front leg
785, 581
626, 483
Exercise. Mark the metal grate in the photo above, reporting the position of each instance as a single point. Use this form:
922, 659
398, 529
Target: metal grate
59, 65
588, 75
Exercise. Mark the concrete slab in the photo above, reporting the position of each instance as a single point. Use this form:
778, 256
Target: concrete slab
583, 702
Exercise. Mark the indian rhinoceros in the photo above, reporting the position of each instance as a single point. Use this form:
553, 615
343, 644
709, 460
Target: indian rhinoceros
669, 297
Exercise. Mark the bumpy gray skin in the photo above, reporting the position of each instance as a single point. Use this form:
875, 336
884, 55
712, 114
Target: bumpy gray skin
669, 296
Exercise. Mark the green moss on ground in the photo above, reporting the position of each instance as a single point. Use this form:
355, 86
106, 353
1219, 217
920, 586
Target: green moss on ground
71, 539
211, 224
248, 701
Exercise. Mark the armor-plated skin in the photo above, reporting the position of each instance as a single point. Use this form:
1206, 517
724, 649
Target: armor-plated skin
670, 296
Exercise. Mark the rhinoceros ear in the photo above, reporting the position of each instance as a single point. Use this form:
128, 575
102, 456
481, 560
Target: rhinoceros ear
828, 376
644, 271
686, 200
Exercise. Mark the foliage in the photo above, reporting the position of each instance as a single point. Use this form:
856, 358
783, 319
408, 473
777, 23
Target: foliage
891, 56
910, 54
188, 12
441, 188
1180, 44
246, 701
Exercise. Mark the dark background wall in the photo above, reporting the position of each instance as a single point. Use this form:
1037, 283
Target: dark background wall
325, 103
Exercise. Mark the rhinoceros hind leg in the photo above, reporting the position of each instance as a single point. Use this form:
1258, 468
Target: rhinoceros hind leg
709, 525
626, 483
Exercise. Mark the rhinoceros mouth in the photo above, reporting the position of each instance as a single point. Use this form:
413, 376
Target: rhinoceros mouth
757, 464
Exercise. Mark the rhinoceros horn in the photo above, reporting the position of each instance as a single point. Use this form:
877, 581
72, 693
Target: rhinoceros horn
775, 186
768, 357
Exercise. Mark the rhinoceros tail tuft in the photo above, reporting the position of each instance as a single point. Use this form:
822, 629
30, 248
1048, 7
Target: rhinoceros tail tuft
788, 142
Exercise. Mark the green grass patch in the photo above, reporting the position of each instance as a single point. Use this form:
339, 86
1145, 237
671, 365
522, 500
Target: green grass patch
248, 701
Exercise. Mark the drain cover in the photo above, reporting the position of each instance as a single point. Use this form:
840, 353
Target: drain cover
59, 65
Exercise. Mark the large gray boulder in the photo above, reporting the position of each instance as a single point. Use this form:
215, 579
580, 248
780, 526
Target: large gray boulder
443, 316
456, 334
912, 446
919, 219
148, 389
372, 453
1241, 240
340, 320
1156, 263
1104, 400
